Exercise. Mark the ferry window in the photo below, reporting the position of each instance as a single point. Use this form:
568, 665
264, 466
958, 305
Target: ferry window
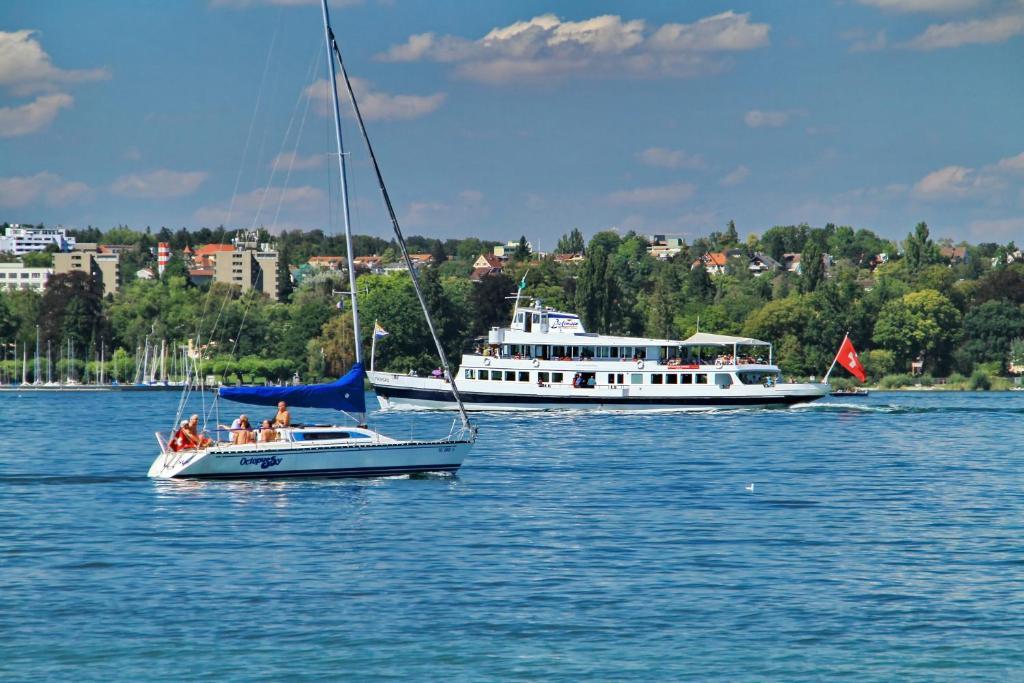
657, 378
510, 376
621, 378
544, 377
671, 378
636, 378
496, 375
702, 378
614, 352
556, 378
536, 318
524, 377
470, 374
686, 379
723, 379
611, 378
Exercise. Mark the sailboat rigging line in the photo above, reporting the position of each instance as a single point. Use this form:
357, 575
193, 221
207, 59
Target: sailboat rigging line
298, 139
280, 151
255, 112
398, 230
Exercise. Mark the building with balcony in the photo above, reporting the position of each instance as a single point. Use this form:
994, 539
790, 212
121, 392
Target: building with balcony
22, 239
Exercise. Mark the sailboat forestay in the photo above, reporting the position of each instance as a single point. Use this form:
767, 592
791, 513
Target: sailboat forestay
318, 450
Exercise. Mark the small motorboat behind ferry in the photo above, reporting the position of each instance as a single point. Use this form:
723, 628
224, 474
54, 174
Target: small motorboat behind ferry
546, 360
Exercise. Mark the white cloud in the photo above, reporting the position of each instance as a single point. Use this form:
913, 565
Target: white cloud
735, 176
50, 188
297, 162
670, 158
545, 48
725, 31
471, 196
263, 203
25, 67
1014, 163
945, 183
375, 104
159, 184
34, 116
756, 118
952, 34
661, 194
923, 5
132, 154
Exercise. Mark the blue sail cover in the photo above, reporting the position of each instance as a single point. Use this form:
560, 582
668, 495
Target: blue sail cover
344, 394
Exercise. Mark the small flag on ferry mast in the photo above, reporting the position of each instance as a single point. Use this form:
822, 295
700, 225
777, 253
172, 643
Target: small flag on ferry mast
379, 331
848, 359
522, 283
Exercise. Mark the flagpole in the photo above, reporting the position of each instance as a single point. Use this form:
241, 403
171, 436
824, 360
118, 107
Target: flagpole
835, 359
373, 345
519, 290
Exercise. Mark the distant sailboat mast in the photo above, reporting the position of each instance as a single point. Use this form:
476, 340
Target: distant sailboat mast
36, 379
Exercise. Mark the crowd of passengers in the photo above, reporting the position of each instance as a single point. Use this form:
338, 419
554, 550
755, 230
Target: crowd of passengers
494, 350
189, 435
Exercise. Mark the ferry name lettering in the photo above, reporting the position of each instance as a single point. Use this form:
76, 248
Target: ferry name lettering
263, 462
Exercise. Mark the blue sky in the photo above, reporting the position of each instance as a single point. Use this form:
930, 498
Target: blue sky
495, 119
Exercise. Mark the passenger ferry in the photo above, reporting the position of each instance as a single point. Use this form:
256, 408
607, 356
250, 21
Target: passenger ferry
546, 360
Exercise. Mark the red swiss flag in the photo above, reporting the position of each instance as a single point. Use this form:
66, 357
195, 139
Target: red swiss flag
848, 359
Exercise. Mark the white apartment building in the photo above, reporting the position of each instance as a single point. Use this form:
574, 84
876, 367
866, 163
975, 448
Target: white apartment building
17, 276
20, 240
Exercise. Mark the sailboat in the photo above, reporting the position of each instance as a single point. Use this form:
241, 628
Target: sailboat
317, 450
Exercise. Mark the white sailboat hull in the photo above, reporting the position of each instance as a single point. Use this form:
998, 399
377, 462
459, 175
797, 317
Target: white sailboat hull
265, 461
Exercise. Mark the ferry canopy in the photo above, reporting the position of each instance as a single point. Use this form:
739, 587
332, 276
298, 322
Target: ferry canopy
345, 394
706, 339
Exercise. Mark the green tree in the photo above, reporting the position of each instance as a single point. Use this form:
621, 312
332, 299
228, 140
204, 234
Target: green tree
731, 238
990, 328
920, 323
812, 264
919, 249
571, 243
522, 252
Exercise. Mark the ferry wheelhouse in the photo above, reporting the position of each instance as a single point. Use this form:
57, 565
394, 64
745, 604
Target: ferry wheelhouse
546, 360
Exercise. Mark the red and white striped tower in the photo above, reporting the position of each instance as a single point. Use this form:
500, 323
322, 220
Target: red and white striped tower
163, 255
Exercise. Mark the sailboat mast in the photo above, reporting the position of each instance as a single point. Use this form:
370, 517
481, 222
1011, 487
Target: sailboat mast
344, 182
35, 374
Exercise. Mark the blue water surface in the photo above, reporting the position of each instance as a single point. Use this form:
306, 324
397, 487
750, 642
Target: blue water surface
882, 541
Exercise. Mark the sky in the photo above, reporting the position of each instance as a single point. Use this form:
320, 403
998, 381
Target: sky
500, 119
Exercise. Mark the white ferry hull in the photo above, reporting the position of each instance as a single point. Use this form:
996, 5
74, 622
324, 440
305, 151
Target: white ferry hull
311, 460
397, 392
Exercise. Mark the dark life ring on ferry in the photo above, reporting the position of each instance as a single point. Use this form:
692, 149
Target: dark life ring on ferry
639, 365
536, 363
487, 361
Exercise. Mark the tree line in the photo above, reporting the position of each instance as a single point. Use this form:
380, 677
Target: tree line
899, 301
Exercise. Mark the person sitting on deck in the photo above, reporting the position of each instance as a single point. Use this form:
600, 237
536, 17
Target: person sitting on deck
191, 436
283, 417
267, 432
241, 430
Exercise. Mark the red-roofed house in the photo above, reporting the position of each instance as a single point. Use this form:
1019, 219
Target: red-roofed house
714, 262
569, 258
206, 255
330, 262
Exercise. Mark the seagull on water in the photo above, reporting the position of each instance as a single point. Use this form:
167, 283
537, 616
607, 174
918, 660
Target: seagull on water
750, 487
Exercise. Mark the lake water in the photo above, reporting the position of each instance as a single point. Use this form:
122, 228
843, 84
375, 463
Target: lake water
882, 541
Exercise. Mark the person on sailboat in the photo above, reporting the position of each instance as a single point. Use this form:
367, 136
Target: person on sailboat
191, 435
267, 432
283, 417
